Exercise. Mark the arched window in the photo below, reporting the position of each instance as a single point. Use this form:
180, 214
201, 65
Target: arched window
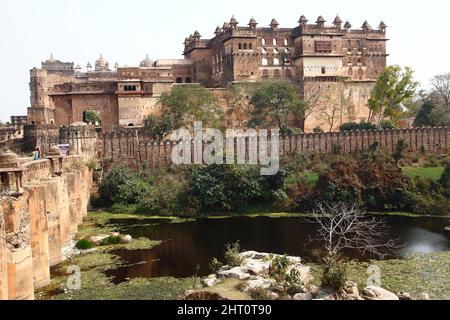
288, 73
250, 46
360, 73
276, 73
263, 41
286, 42
240, 46
188, 80
275, 51
179, 80
274, 42
265, 74
264, 50
350, 72
276, 61
264, 62
245, 46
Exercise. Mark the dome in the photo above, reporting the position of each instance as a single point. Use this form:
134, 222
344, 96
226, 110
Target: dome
337, 20
147, 62
197, 34
218, 30
274, 23
320, 19
54, 151
9, 159
233, 22
51, 59
102, 64
252, 21
347, 25
366, 26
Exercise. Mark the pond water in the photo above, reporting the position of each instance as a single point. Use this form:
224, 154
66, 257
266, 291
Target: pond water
188, 245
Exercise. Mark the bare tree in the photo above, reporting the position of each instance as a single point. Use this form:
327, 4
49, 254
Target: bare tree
441, 84
343, 226
312, 96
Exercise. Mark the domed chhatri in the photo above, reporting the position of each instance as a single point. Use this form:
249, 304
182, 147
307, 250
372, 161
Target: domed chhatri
147, 62
9, 159
233, 22
51, 59
102, 64
54, 151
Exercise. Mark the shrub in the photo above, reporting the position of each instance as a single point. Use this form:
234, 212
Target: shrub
445, 178
163, 197
111, 241
353, 126
215, 265
318, 130
122, 185
287, 277
233, 187
231, 256
334, 273
84, 244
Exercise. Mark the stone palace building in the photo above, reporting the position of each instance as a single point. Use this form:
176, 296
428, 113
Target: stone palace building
329, 63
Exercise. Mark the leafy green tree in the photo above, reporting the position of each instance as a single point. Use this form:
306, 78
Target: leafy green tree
273, 103
393, 89
91, 116
424, 116
181, 107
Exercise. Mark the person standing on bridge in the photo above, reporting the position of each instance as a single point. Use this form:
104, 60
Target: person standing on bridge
37, 153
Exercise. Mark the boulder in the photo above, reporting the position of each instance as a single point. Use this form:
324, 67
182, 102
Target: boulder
127, 238
211, 280
423, 296
98, 239
404, 296
314, 290
253, 255
303, 296
256, 267
235, 273
350, 291
377, 293
258, 283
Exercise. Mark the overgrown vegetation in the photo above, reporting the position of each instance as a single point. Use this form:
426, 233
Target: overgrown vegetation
231, 257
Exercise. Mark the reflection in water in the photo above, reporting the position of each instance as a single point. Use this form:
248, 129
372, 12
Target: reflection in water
188, 245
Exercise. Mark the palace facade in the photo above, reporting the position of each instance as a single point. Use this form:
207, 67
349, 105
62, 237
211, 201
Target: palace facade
333, 65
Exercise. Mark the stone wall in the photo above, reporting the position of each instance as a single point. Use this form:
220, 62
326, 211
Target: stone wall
37, 223
134, 147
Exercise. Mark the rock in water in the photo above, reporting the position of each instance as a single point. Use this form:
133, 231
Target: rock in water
376, 293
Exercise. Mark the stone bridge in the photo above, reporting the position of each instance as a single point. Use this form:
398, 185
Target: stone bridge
42, 204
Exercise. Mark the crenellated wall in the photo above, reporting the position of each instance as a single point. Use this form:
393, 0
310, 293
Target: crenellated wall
37, 222
134, 147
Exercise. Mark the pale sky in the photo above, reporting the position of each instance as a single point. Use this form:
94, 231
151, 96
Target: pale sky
125, 31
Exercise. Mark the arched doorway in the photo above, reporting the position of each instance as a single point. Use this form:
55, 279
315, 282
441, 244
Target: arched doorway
92, 117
